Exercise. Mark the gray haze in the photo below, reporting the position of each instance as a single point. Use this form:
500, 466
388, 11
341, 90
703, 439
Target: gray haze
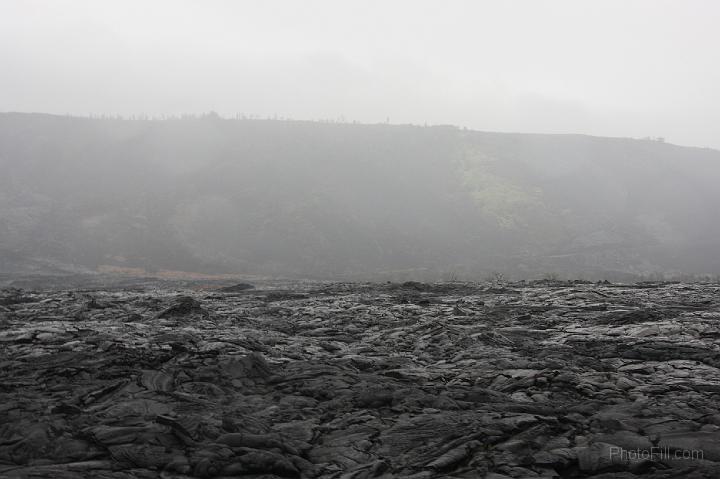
610, 68
331, 200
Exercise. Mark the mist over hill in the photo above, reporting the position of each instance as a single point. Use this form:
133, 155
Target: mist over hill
347, 201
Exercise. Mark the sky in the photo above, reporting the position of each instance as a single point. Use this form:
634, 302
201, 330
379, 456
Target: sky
629, 68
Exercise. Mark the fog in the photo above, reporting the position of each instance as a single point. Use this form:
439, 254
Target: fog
343, 201
609, 68
360, 140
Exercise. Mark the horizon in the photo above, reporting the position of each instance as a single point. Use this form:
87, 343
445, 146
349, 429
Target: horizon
331, 121
610, 69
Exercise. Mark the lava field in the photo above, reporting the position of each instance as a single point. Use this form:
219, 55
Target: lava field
337, 380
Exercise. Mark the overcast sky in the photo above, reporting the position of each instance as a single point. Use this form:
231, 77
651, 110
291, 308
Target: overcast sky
612, 68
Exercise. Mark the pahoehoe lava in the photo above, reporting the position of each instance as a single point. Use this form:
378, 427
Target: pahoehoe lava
340, 380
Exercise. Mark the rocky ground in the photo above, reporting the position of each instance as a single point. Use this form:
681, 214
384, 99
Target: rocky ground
362, 380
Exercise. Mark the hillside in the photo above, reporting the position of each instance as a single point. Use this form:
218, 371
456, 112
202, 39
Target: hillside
321, 200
